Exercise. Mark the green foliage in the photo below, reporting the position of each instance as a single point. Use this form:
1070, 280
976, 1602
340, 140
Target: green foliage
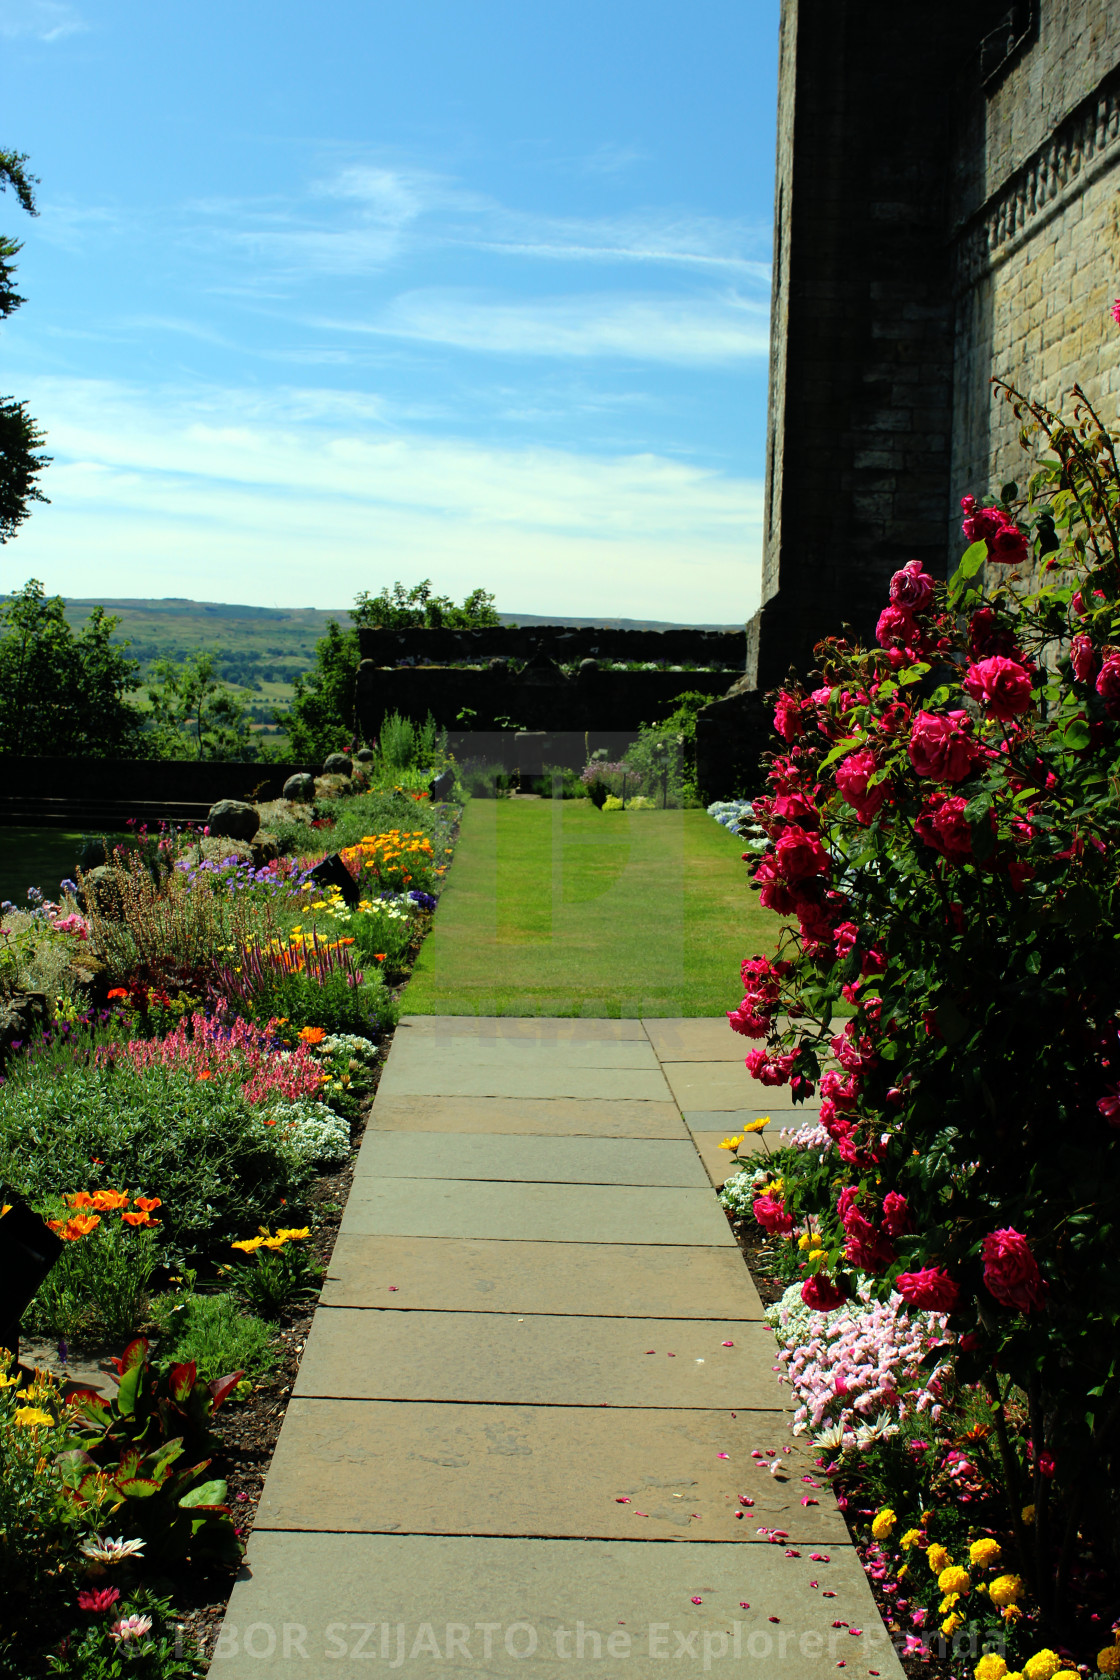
37, 1527
276, 1275
403, 744
321, 717
61, 694
664, 755
200, 1147
217, 1335
151, 1406
263, 990
193, 714
20, 437
99, 1284
89, 1653
417, 608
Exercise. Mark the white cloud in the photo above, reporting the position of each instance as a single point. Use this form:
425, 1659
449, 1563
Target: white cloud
723, 327
39, 20
223, 495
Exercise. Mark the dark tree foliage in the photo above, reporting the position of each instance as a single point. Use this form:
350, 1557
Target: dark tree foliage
63, 695
418, 609
20, 438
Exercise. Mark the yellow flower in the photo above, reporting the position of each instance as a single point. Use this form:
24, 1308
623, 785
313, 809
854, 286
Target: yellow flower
1006, 1589
757, 1125
949, 1602
952, 1623
904, 1571
292, 1235
1027, 1514
817, 1254
249, 1246
990, 1667
938, 1559
803, 1241
7, 1382
1043, 1665
883, 1523
731, 1143
983, 1553
954, 1579
273, 1242
29, 1417
910, 1538
1108, 1660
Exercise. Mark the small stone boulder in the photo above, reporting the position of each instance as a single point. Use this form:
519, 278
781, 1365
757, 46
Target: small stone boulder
364, 755
233, 819
339, 764
300, 787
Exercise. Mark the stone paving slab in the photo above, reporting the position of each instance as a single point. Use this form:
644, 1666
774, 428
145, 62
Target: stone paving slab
578, 1160
371, 1466
549, 1116
719, 1164
729, 1121
436, 1207
546, 1030
450, 1078
722, 1085
335, 1593
540, 1360
614, 1280
454, 1051
697, 1040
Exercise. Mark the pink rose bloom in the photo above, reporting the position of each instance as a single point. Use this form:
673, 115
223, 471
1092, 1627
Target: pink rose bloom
979, 526
1082, 657
1115, 312
1011, 1271
799, 856
1007, 546
796, 808
821, 1293
843, 1092
1001, 686
896, 628
943, 826
1109, 1106
1108, 682
939, 747
912, 588
772, 1216
773, 892
745, 1021
787, 718
852, 776
770, 1070
931, 1290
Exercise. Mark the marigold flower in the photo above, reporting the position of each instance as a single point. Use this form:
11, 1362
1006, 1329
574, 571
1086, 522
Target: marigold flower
954, 1579
1108, 1660
952, 1623
313, 1035
1027, 1514
1043, 1665
984, 1552
938, 1559
118, 992
1006, 1589
990, 1667
911, 1538
883, 1523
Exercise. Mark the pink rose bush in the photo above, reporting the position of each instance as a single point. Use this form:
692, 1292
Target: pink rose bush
943, 819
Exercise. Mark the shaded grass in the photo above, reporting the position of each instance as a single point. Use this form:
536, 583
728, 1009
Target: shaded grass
554, 908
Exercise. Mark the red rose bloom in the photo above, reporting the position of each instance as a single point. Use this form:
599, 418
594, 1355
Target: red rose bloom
979, 526
896, 628
800, 856
1011, 1271
1082, 657
943, 826
1000, 685
1007, 546
821, 1293
746, 1021
773, 893
986, 635
912, 588
852, 776
896, 1214
1108, 683
772, 1216
939, 747
787, 718
931, 1290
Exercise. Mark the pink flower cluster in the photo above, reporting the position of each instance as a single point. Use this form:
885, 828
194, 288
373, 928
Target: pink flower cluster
858, 1362
762, 985
219, 1049
1007, 545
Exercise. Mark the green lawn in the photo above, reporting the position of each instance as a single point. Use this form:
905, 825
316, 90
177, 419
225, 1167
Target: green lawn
554, 908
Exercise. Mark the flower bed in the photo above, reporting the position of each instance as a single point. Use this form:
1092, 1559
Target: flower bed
185, 1120
942, 832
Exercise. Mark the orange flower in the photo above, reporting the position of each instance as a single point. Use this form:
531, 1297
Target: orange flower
206, 1074
313, 1035
80, 1199
118, 992
138, 1219
108, 1201
148, 1204
80, 1225
379, 956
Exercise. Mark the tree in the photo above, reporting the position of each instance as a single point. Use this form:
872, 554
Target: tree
418, 609
321, 718
20, 437
193, 714
63, 695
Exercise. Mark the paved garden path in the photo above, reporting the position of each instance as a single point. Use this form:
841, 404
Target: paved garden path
523, 1436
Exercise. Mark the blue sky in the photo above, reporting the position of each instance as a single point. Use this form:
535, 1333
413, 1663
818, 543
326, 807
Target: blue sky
322, 297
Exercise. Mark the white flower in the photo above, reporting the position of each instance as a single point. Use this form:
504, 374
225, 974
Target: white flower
99, 1549
309, 1132
130, 1627
831, 1439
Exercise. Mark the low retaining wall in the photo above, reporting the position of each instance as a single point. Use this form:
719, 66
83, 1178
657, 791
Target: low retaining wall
105, 793
726, 649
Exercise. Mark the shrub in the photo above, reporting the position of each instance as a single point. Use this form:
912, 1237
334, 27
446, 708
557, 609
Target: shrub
945, 830
216, 1334
99, 1284
38, 1533
276, 1272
